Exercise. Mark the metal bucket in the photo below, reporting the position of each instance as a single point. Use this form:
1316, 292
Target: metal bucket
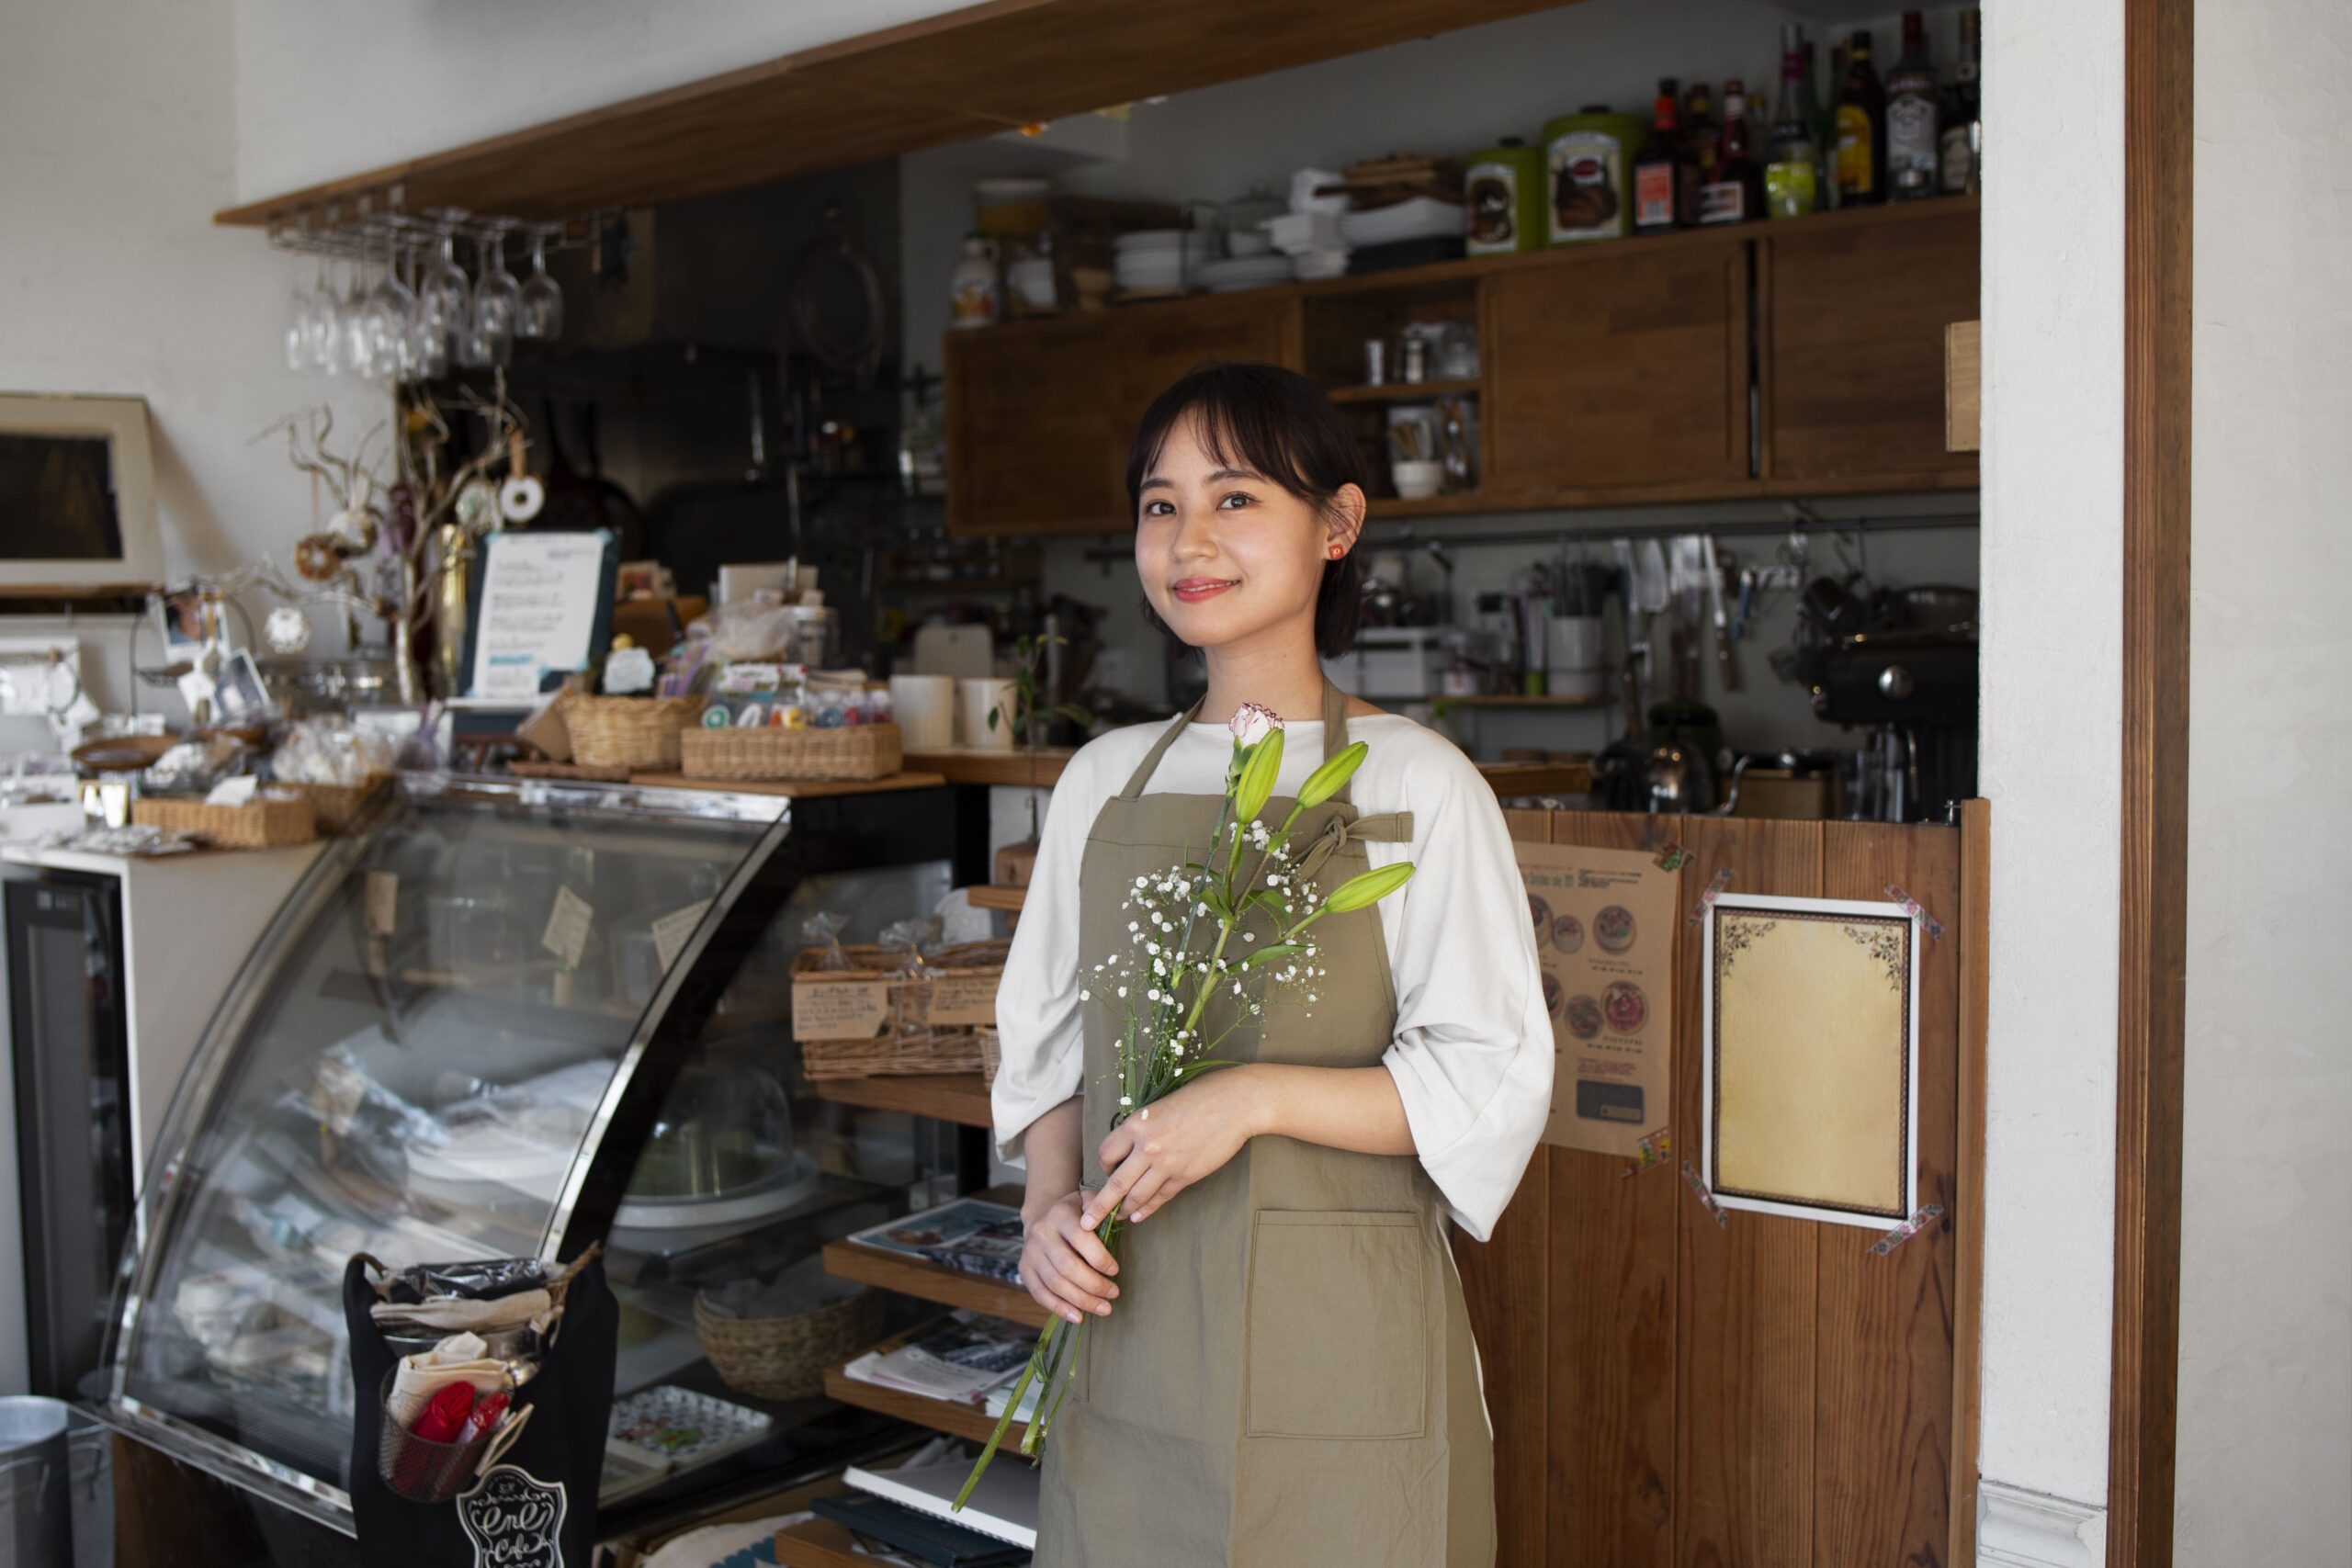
36, 1496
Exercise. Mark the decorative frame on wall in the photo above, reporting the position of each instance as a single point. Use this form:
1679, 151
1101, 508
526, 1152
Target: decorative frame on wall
89, 455
1810, 1080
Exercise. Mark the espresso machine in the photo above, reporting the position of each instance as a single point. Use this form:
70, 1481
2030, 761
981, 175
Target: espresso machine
1913, 691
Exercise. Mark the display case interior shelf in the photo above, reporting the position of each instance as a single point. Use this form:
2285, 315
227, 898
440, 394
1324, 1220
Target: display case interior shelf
934, 1282
947, 1415
959, 1098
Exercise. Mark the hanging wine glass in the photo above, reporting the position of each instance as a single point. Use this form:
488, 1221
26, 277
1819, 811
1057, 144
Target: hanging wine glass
391, 306
498, 297
358, 341
445, 300
302, 308
541, 315
428, 338
329, 342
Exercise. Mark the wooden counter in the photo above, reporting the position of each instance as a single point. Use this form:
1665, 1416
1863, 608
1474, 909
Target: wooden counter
1013, 769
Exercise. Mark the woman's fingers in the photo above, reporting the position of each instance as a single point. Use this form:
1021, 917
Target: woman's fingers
1076, 1271
1158, 1200
1150, 1185
1112, 1192
1064, 1280
1089, 1246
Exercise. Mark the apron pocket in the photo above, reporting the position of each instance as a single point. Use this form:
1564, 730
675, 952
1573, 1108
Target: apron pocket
1337, 1337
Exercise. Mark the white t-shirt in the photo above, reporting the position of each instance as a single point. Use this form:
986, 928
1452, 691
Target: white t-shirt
1472, 1056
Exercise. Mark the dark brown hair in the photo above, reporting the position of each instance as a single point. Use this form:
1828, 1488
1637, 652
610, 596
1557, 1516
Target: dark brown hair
1277, 422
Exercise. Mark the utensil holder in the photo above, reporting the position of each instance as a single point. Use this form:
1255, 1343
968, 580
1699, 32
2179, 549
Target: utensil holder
419, 1469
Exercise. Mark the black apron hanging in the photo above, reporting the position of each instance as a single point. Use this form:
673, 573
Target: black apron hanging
535, 1506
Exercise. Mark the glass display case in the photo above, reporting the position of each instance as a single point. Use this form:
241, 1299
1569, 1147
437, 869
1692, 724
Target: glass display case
510, 1018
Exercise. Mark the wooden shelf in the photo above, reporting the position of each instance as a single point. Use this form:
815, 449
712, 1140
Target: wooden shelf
932, 1282
1404, 391
988, 895
939, 1415
959, 1098
819, 1543
972, 765
1539, 778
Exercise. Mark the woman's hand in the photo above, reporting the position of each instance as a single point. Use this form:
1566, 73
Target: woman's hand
1064, 1265
1176, 1141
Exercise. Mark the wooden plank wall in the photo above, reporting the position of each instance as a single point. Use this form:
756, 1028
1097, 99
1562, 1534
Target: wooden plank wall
1667, 1393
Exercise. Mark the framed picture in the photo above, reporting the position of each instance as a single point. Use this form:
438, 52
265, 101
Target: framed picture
238, 692
77, 486
1810, 1082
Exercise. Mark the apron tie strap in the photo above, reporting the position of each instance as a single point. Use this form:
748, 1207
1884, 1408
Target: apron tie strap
1381, 828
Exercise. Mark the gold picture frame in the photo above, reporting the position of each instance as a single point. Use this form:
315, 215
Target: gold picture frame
1810, 1082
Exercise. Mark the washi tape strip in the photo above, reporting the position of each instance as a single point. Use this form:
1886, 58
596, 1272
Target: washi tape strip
1907, 1230
1707, 899
1671, 856
1652, 1150
1918, 911
1706, 1199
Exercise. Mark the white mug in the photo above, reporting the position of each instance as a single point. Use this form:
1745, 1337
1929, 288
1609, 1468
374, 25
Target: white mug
975, 699
925, 708
1575, 651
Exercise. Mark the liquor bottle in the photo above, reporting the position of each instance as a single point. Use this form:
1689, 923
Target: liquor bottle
1861, 127
1664, 180
1825, 134
1701, 134
1912, 153
1736, 194
1793, 174
1963, 134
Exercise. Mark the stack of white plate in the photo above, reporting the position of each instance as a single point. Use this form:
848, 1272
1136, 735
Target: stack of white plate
1238, 273
1158, 261
1308, 266
1421, 218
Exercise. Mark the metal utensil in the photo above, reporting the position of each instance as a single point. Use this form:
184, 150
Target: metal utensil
1726, 667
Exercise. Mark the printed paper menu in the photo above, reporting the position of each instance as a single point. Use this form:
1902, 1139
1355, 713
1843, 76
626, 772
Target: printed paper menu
1605, 925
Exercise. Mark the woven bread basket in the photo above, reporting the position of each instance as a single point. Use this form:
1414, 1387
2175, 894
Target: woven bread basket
629, 732
786, 1358
852, 751
337, 806
263, 824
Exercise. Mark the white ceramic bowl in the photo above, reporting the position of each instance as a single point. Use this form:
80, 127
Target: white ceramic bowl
1417, 482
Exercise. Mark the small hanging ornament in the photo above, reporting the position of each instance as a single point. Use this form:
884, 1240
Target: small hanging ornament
318, 558
286, 630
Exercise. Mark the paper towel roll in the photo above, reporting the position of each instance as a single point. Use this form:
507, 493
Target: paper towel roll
973, 700
925, 707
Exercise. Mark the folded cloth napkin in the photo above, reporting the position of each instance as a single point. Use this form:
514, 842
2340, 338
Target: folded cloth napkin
454, 1314
460, 1358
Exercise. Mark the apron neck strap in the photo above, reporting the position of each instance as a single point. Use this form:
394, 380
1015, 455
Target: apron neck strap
1335, 738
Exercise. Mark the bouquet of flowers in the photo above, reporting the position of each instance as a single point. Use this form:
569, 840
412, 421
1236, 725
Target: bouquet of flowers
1230, 927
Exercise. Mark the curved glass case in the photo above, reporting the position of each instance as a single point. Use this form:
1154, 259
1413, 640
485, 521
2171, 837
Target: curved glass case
509, 1019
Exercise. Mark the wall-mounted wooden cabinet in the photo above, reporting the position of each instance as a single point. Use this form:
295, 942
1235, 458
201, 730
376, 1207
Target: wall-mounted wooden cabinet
1623, 365
1777, 359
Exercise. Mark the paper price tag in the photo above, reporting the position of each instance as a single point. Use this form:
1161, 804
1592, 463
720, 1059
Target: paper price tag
671, 931
964, 999
568, 923
383, 902
840, 1010
1671, 856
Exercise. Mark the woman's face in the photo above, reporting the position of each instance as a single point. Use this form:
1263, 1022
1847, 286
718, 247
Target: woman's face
1226, 554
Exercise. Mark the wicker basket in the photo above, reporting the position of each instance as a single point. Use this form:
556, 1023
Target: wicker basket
264, 824
991, 1051
786, 1358
337, 806
853, 751
873, 1017
629, 732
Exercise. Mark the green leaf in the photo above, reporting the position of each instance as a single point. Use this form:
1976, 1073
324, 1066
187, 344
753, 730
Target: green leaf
1265, 898
1266, 955
1332, 776
1256, 786
1083, 717
1370, 888
1215, 898
992, 717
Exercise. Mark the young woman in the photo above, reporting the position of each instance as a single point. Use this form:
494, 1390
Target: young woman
1291, 1381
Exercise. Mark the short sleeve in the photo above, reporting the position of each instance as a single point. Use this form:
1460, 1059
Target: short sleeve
1040, 1048
1472, 1056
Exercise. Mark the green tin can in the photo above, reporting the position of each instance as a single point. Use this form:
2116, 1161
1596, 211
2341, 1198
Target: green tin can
1502, 193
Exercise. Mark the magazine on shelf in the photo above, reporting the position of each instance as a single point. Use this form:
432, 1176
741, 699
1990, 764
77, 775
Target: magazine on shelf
970, 1234
1003, 1504
962, 1355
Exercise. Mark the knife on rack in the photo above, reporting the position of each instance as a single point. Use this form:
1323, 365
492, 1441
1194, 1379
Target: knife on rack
1726, 666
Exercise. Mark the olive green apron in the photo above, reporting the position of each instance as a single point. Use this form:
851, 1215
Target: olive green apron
1287, 1378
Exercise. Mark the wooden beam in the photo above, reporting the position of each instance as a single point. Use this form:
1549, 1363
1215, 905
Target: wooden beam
1973, 933
2158, 154
969, 74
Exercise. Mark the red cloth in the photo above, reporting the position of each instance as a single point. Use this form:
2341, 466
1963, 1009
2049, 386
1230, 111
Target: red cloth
445, 1415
